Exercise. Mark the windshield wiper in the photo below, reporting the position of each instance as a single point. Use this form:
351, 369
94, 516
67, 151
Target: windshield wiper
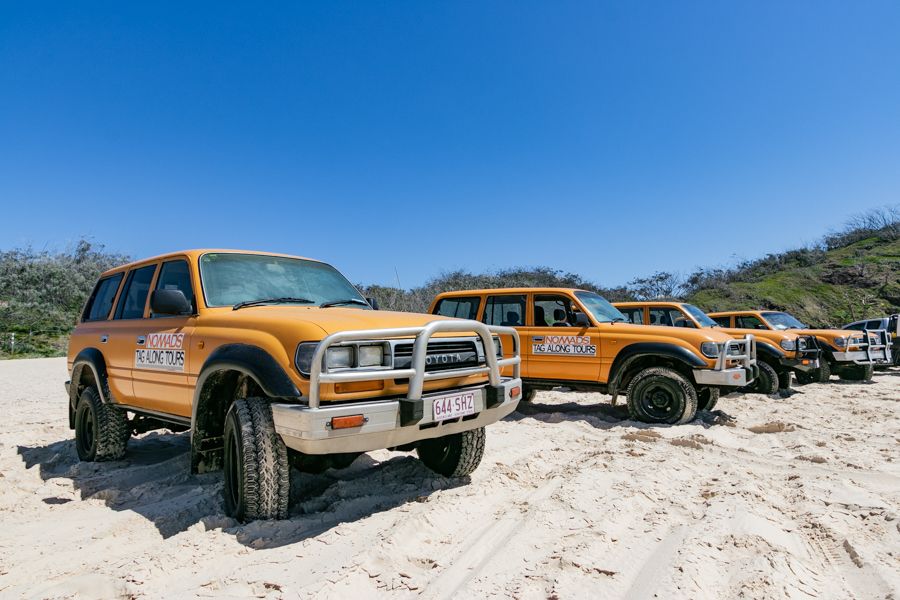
346, 301
284, 300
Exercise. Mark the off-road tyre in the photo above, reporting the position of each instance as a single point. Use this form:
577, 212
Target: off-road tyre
454, 455
857, 373
528, 393
101, 430
784, 380
766, 381
661, 395
820, 375
707, 397
256, 468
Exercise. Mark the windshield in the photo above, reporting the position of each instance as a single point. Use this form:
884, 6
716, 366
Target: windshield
229, 279
699, 315
780, 320
603, 311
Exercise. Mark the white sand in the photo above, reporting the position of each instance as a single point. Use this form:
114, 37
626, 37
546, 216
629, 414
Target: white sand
793, 497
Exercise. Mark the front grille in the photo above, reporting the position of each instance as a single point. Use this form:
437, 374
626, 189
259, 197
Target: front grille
440, 356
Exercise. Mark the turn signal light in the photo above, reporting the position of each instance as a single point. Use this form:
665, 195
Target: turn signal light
805, 362
347, 422
515, 392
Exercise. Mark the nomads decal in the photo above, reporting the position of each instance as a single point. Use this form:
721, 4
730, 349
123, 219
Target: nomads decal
565, 345
163, 352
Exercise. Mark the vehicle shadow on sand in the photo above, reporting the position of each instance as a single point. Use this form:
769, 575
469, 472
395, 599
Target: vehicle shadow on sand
154, 481
603, 415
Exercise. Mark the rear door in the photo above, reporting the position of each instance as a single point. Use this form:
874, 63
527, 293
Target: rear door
508, 310
634, 314
125, 327
669, 316
557, 348
162, 346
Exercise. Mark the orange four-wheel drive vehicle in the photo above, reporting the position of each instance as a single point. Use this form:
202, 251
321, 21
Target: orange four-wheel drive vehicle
272, 361
850, 355
575, 338
778, 353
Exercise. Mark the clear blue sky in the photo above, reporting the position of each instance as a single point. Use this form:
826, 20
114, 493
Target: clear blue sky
608, 138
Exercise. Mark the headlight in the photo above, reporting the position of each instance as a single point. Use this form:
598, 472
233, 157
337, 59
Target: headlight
303, 358
801, 344
840, 342
371, 356
498, 346
710, 349
789, 345
339, 357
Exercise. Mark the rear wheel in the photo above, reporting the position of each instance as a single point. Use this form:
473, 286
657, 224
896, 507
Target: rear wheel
707, 398
454, 455
257, 472
858, 373
101, 430
661, 395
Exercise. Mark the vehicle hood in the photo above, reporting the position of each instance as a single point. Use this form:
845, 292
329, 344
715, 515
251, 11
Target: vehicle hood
688, 334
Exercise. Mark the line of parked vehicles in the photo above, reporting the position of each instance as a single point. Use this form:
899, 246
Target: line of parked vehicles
276, 362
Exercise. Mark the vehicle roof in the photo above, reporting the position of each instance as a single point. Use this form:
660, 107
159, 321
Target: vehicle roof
653, 302
516, 290
194, 254
740, 312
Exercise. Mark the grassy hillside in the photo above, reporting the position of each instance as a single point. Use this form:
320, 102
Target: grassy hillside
828, 287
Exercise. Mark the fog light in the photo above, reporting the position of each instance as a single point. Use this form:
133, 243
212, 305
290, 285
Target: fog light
347, 422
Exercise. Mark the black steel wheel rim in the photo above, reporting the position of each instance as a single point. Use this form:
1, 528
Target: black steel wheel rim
232, 472
86, 438
659, 400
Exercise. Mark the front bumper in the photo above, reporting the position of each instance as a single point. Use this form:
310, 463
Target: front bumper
742, 351
389, 423
734, 377
800, 364
307, 427
877, 350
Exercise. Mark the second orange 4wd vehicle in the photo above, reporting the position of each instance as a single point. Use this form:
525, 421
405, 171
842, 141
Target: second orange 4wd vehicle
272, 361
779, 353
575, 338
848, 354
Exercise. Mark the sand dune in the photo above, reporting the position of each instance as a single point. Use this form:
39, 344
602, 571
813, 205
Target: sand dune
765, 497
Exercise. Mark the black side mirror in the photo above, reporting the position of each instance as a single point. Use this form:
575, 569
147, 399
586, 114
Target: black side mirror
581, 320
169, 303
373, 303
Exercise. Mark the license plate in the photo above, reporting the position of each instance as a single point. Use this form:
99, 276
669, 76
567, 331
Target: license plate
453, 406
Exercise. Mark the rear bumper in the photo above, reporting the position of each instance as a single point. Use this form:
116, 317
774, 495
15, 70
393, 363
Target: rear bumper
389, 423
734, 377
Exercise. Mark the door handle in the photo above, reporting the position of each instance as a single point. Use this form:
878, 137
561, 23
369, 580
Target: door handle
104, 338
141, 339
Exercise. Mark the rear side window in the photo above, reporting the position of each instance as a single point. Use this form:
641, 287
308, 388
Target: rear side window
175, 275
508, 311
634, 315
669, 317
101, 300
722, 321
134, 295
461, 308
749, 322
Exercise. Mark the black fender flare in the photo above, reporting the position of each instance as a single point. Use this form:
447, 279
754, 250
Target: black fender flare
764, 350
207, 416
88, 358
632, 352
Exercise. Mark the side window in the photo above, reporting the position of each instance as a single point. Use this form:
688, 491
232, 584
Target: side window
874, 325
634, 315
749, 322
175, 275
856, 326
553, 311
893, 324
722, 321
101, 300
462, 308
669, 317
508, 311
134, 295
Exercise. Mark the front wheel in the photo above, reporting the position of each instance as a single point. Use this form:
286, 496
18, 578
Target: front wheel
257, 472
820, 375
661, 395
784, 380
707, 398
766, 382
858, 373
454, 455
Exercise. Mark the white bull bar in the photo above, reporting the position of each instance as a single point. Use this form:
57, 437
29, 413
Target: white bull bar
319, 373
